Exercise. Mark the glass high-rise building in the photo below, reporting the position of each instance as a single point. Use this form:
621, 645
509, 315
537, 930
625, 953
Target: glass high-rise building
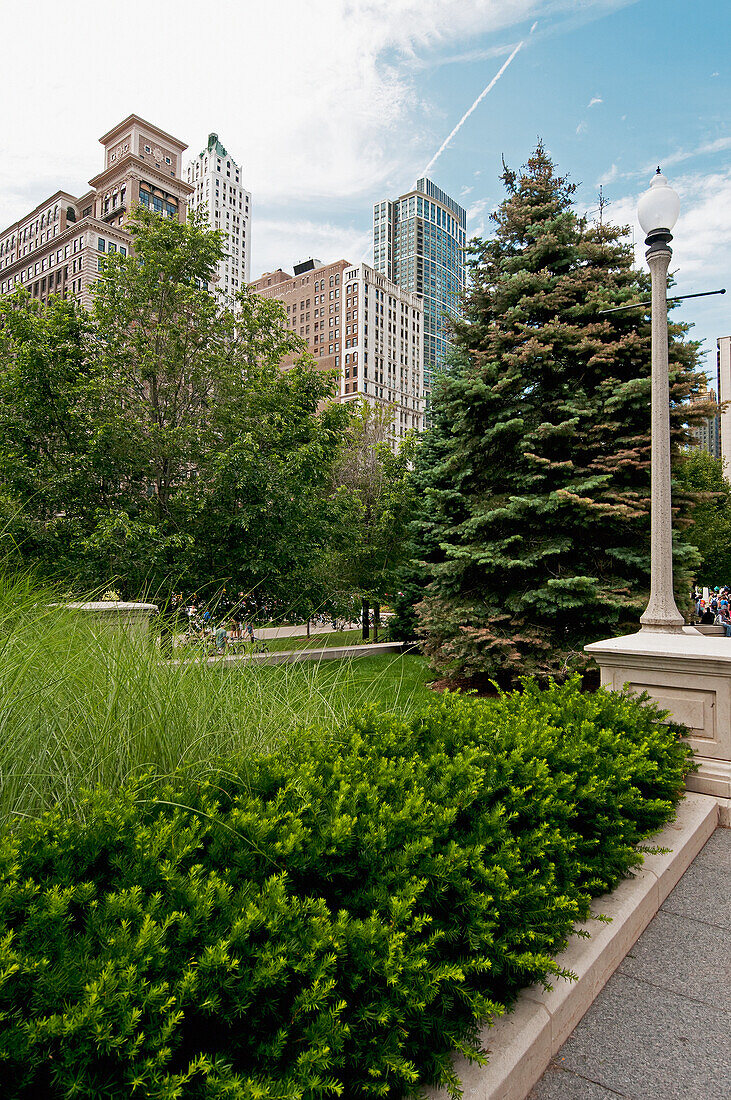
418, 243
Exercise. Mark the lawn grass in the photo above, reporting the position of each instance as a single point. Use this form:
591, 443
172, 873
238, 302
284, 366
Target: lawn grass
316, 641
383, 680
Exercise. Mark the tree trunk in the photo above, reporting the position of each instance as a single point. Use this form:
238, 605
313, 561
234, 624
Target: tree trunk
308, 626
376, 619
365, 608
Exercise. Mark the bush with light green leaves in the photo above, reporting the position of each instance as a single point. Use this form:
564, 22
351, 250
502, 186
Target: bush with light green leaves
334, 920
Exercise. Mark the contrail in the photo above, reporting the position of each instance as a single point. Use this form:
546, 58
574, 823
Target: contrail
479, 100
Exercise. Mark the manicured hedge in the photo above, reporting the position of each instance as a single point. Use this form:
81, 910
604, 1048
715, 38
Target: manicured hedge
331, 921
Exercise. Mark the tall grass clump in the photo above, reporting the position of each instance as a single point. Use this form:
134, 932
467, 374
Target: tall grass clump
82, 706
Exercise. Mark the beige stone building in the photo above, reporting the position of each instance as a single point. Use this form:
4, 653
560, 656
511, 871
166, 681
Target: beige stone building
219, 193
59, 247
707, 434
361, 325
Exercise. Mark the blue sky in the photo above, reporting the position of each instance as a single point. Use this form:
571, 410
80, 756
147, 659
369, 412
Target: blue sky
331, 105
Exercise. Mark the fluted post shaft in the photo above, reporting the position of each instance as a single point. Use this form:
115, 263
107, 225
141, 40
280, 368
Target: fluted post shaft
661, 613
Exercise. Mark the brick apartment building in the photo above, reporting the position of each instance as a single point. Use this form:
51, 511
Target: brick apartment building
361, 325
58, 247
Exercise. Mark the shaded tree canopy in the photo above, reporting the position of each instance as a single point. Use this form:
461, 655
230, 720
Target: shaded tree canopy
703, 476
156, 441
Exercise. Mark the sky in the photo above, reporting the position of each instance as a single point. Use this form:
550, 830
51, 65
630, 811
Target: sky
332, 105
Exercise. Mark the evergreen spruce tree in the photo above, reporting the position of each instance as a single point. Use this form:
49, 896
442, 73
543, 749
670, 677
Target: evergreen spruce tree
534, 479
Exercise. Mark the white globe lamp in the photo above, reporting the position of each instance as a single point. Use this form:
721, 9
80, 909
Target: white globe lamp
658, 210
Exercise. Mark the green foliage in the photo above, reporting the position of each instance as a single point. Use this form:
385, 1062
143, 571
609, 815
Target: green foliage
332, 921
46, 476
81, 706
702, 476
375, 501
534, 485
156, 444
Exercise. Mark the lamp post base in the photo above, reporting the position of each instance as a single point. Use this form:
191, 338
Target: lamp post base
688, 674
662, 626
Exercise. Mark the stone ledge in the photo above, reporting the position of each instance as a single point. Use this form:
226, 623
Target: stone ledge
522, 1043
329, 653
292, 656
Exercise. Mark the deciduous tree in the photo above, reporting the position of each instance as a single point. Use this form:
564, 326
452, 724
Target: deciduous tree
375, 497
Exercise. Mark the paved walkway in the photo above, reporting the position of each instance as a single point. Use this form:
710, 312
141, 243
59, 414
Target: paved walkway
298, 631
661, 1027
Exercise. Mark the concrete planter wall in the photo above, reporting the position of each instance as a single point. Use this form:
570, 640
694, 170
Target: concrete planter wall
135, 618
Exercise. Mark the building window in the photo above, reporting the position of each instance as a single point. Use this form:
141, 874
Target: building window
101, 246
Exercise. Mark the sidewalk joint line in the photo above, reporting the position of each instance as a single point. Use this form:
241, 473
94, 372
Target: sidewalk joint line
695, 920
583, 1077
619, 973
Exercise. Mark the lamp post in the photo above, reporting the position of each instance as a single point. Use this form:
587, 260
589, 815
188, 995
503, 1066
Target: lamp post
685, 672
658, 211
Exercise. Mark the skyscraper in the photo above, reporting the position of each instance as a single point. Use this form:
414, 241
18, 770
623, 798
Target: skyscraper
216, 179
418, 242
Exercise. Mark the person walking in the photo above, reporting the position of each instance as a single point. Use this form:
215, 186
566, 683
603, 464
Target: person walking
723, 615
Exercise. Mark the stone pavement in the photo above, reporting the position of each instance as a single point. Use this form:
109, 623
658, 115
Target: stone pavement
661, 1027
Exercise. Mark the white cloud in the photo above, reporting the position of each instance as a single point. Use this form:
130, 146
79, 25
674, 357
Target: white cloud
317, 100
708, 148
478, 218
594, 101
609, 176
679, 156
582, 127
703, 233
283, 242
702, 236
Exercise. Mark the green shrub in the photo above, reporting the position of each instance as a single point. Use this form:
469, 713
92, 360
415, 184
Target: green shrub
334, 922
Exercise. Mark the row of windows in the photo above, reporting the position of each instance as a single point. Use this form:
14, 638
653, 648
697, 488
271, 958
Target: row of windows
113, 199
52, 259
110, 246
160, 203
54, 283
320, 283
196, 168
31, 229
